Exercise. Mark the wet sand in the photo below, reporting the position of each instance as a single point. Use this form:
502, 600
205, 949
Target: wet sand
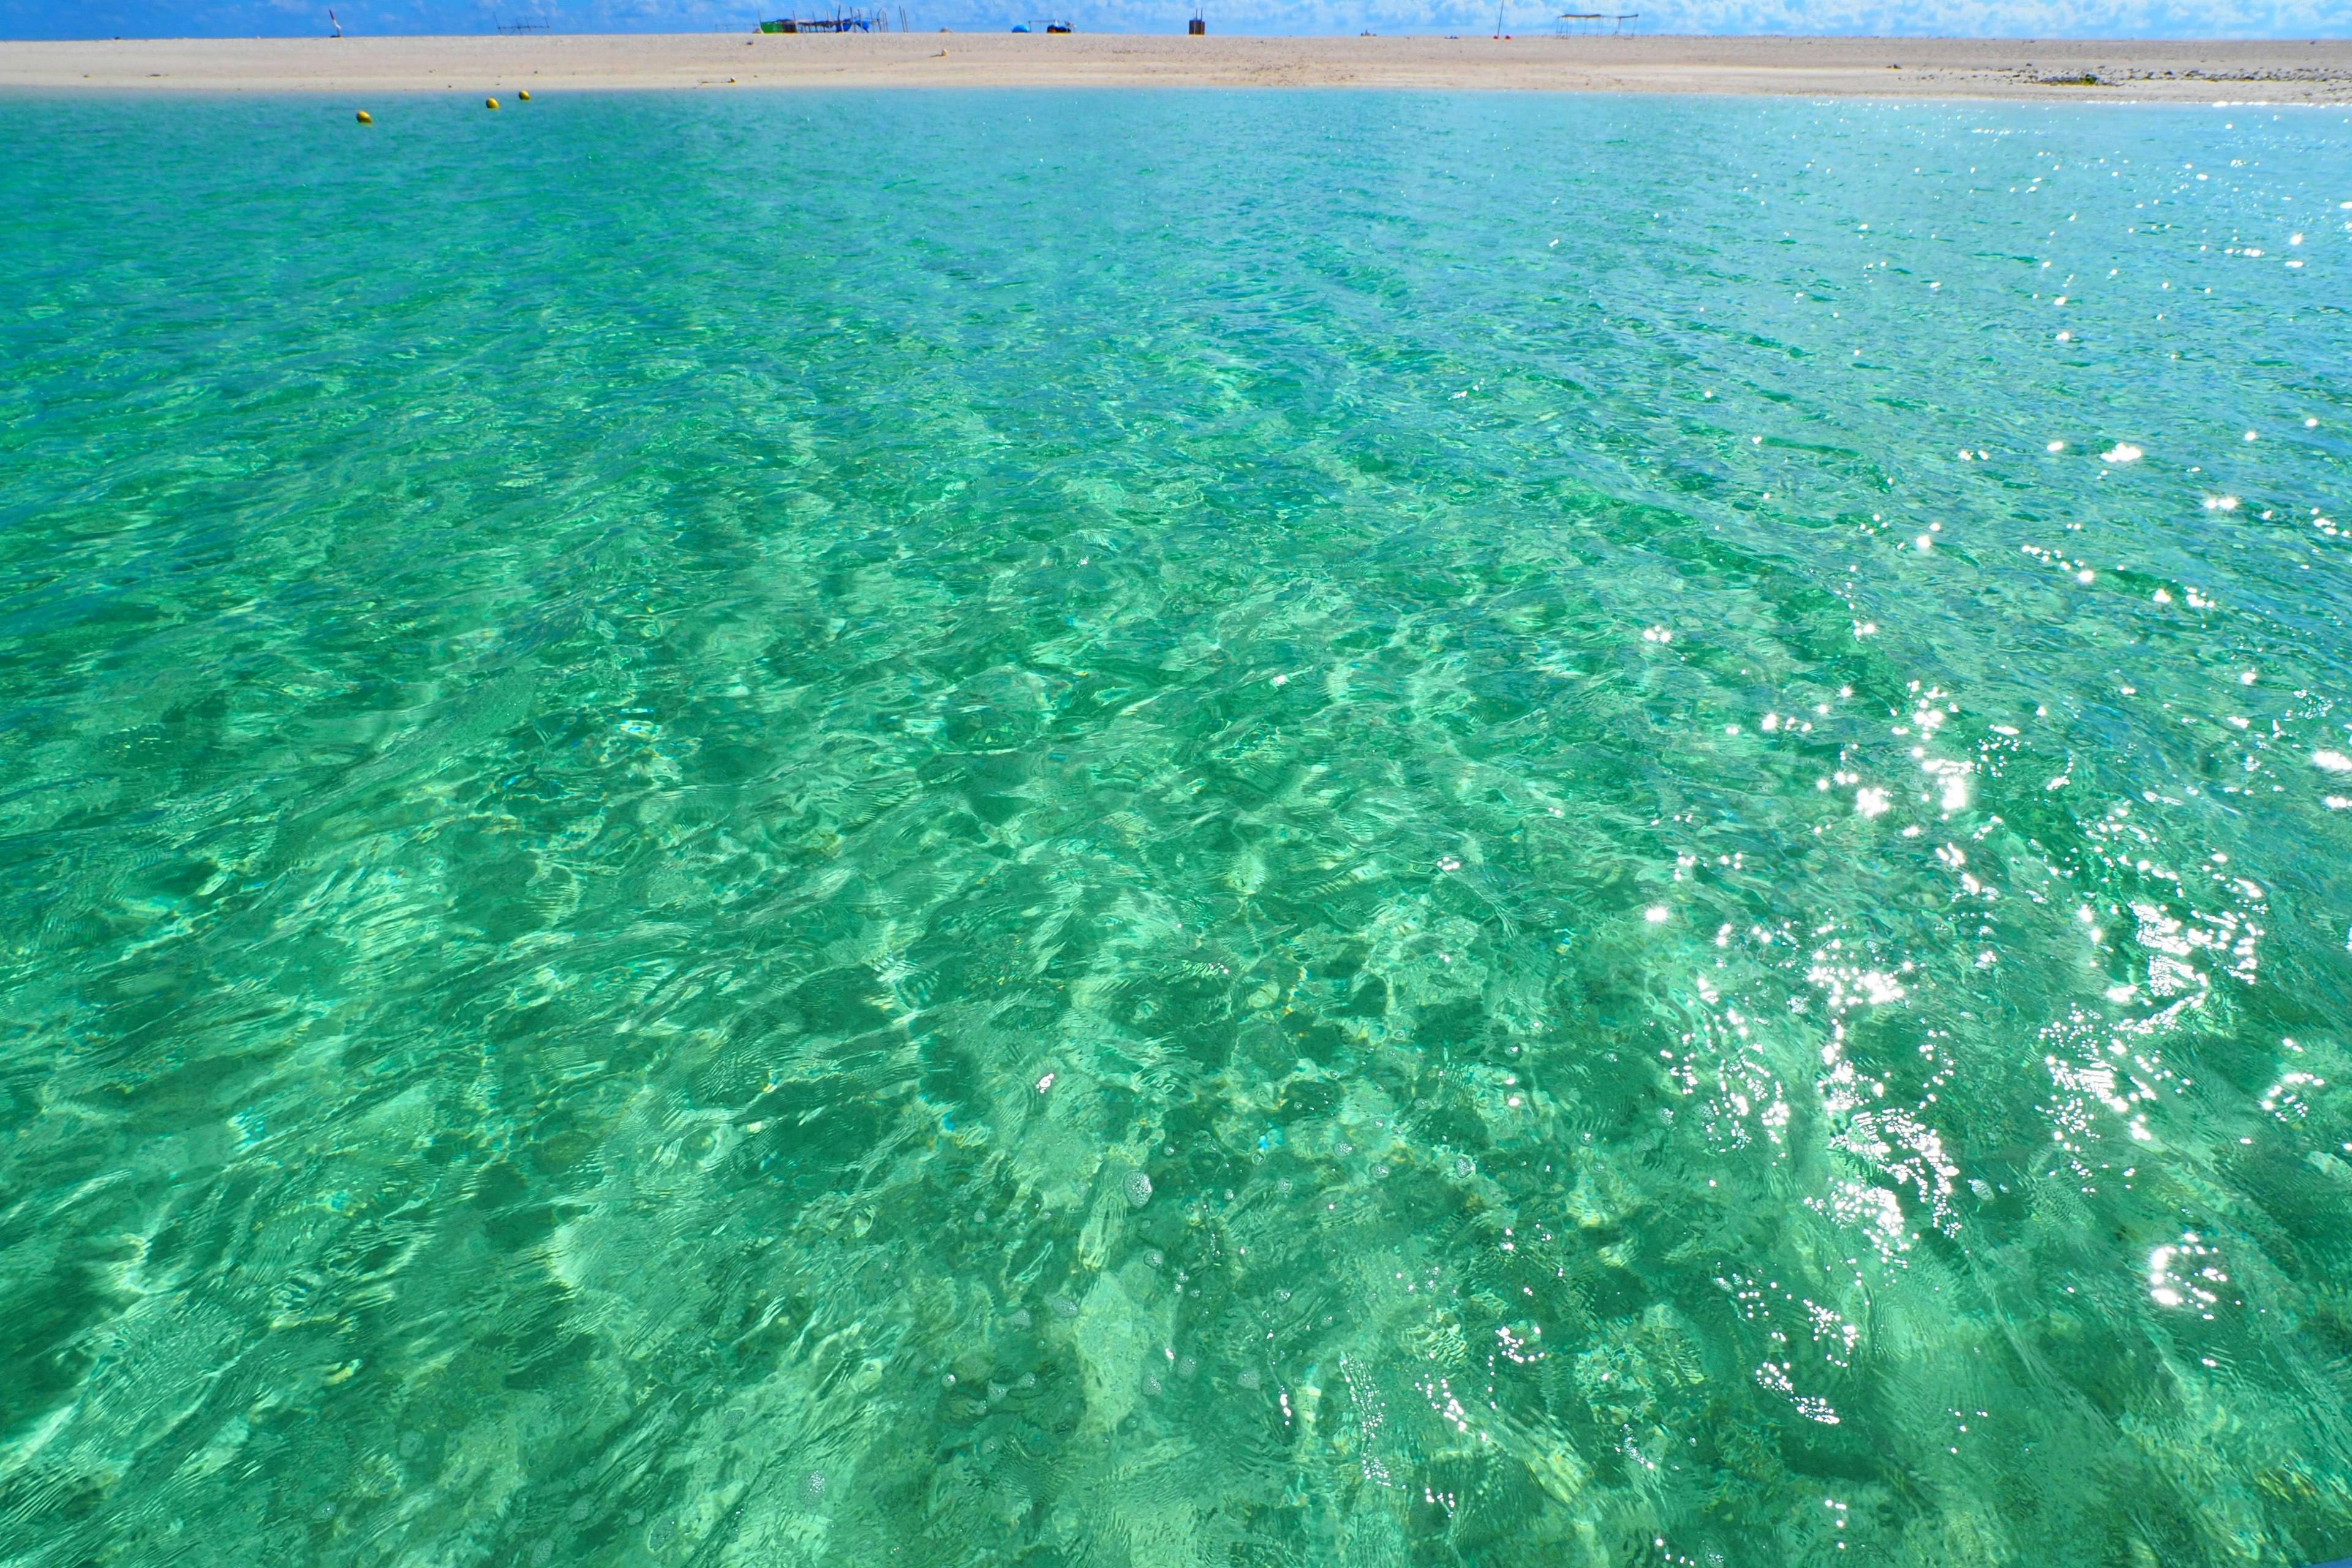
2294, 73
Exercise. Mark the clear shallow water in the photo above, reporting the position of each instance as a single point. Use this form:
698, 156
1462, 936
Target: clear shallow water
1192, 829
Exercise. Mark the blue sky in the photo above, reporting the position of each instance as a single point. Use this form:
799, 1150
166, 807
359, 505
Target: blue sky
2004, 18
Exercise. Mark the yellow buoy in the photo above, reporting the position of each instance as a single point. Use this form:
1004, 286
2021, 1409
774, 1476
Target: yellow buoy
365, 118
524, 95
489, 103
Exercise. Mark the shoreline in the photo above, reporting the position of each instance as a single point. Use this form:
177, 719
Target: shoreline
2139, 71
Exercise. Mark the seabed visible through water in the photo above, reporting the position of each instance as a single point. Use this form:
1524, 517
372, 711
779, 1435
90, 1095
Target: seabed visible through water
1174, 829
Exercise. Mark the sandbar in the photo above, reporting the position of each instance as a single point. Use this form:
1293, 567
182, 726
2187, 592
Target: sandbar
2318, 71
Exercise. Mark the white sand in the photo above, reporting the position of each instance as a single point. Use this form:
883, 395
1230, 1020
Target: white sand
2296, 72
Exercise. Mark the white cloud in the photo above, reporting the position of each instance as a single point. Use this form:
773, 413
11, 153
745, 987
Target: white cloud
1885, 18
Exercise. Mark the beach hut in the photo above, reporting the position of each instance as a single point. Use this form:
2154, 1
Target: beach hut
877, 21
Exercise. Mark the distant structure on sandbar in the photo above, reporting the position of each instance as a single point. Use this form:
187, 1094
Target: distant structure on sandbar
874, 21
1578, 23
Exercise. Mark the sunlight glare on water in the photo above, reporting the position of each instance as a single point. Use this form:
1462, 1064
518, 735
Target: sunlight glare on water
1062, 828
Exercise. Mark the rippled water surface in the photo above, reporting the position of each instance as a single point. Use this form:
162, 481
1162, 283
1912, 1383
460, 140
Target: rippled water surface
1159, 830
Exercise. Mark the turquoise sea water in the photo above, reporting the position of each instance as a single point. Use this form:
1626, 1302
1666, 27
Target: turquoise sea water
1152, 830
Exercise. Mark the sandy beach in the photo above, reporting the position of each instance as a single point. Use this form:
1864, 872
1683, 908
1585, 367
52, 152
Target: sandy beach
2275, 72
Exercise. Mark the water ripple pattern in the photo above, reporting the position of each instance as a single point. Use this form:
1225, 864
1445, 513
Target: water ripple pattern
1174, 829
